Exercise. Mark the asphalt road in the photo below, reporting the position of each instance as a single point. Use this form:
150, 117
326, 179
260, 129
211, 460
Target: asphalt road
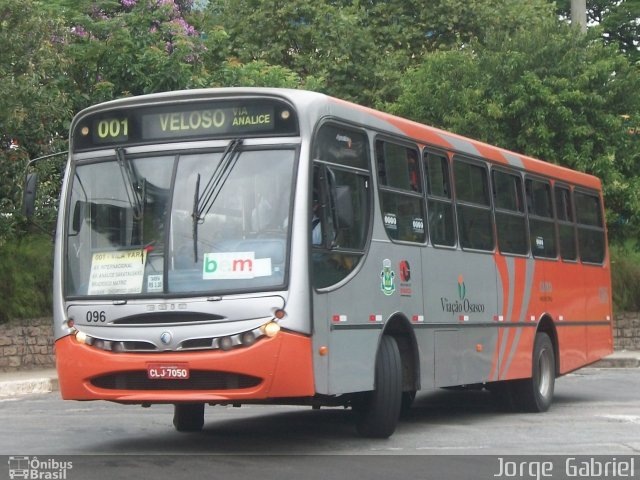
595, 412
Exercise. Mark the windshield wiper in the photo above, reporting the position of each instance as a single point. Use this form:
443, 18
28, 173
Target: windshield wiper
202, 203
131, 186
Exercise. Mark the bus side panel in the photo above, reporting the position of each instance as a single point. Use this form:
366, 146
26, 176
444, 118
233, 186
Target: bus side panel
357, 312
599, 342
572, 340
565, 281
598, 308
517, 280
461, 304
477, 345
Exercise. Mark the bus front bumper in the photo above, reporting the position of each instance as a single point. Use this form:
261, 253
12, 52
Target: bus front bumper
277, 367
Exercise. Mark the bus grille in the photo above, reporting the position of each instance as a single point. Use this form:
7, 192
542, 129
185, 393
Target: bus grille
198, 380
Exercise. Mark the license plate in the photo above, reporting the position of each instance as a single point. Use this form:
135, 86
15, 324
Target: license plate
174, 371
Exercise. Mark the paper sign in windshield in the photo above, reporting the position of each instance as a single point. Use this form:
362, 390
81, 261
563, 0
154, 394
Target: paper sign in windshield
117, 273
234, 266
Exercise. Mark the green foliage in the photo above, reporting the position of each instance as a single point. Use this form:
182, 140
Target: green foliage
625, 277
133, 48
26, 267
505, 71
616, 21
34, 102
359, 50
256, 73
548, 92
12, 165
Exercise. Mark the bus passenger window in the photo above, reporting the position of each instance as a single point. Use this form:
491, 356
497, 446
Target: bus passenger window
475, 223
439, 202
400, 192
510, 217
591, 239
566, 223
542, 229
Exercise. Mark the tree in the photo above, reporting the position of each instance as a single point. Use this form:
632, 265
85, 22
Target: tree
359, 49
35, 108
548, 92
134, 47
617, 21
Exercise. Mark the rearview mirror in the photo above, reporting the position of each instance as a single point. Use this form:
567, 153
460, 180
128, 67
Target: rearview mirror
29, 195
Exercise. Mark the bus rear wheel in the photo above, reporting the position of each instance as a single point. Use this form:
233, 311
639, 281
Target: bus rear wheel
535, 394
188, 417
377, 412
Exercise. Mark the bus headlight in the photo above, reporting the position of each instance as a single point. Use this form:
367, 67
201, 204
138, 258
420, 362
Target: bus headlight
225, 343
271, 329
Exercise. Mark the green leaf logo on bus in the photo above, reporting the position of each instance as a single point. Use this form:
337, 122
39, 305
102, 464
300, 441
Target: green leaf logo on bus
387, 275
462, 289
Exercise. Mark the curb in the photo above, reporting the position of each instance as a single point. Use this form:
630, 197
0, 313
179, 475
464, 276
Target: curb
29, 386
624, 362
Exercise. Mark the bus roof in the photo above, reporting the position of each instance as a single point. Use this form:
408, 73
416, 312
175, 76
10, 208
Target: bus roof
330, 106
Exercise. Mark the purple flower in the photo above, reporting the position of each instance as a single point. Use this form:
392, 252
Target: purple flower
128, 3
183, 27
161, 3
79, 31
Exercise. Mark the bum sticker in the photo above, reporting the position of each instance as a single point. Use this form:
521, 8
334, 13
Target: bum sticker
234, 266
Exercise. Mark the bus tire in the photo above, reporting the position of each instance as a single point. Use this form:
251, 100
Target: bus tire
188, 417
378, 411
535, 394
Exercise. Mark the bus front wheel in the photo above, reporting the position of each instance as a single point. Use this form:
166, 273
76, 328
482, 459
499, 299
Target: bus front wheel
188, 417
377, 412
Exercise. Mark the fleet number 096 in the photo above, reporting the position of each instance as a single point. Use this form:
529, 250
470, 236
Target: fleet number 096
113, 128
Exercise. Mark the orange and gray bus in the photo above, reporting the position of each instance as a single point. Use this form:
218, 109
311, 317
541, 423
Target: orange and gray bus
242, 246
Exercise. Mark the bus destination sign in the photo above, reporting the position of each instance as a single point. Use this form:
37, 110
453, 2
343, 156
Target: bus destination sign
193, 121
180, 124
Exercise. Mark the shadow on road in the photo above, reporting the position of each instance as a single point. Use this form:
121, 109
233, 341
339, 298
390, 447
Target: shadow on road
299, 430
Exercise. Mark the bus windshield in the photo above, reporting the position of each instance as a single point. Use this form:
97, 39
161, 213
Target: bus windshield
180, 223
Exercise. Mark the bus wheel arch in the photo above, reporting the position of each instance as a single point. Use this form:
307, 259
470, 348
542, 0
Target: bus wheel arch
402, 331
547, 326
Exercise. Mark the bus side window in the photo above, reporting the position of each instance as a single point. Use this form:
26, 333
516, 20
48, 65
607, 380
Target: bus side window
566, 223
510, 218
401, 192
541, 224
439, 202
473, 205
591, 241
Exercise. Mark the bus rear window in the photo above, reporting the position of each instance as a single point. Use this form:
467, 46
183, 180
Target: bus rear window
591, 240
